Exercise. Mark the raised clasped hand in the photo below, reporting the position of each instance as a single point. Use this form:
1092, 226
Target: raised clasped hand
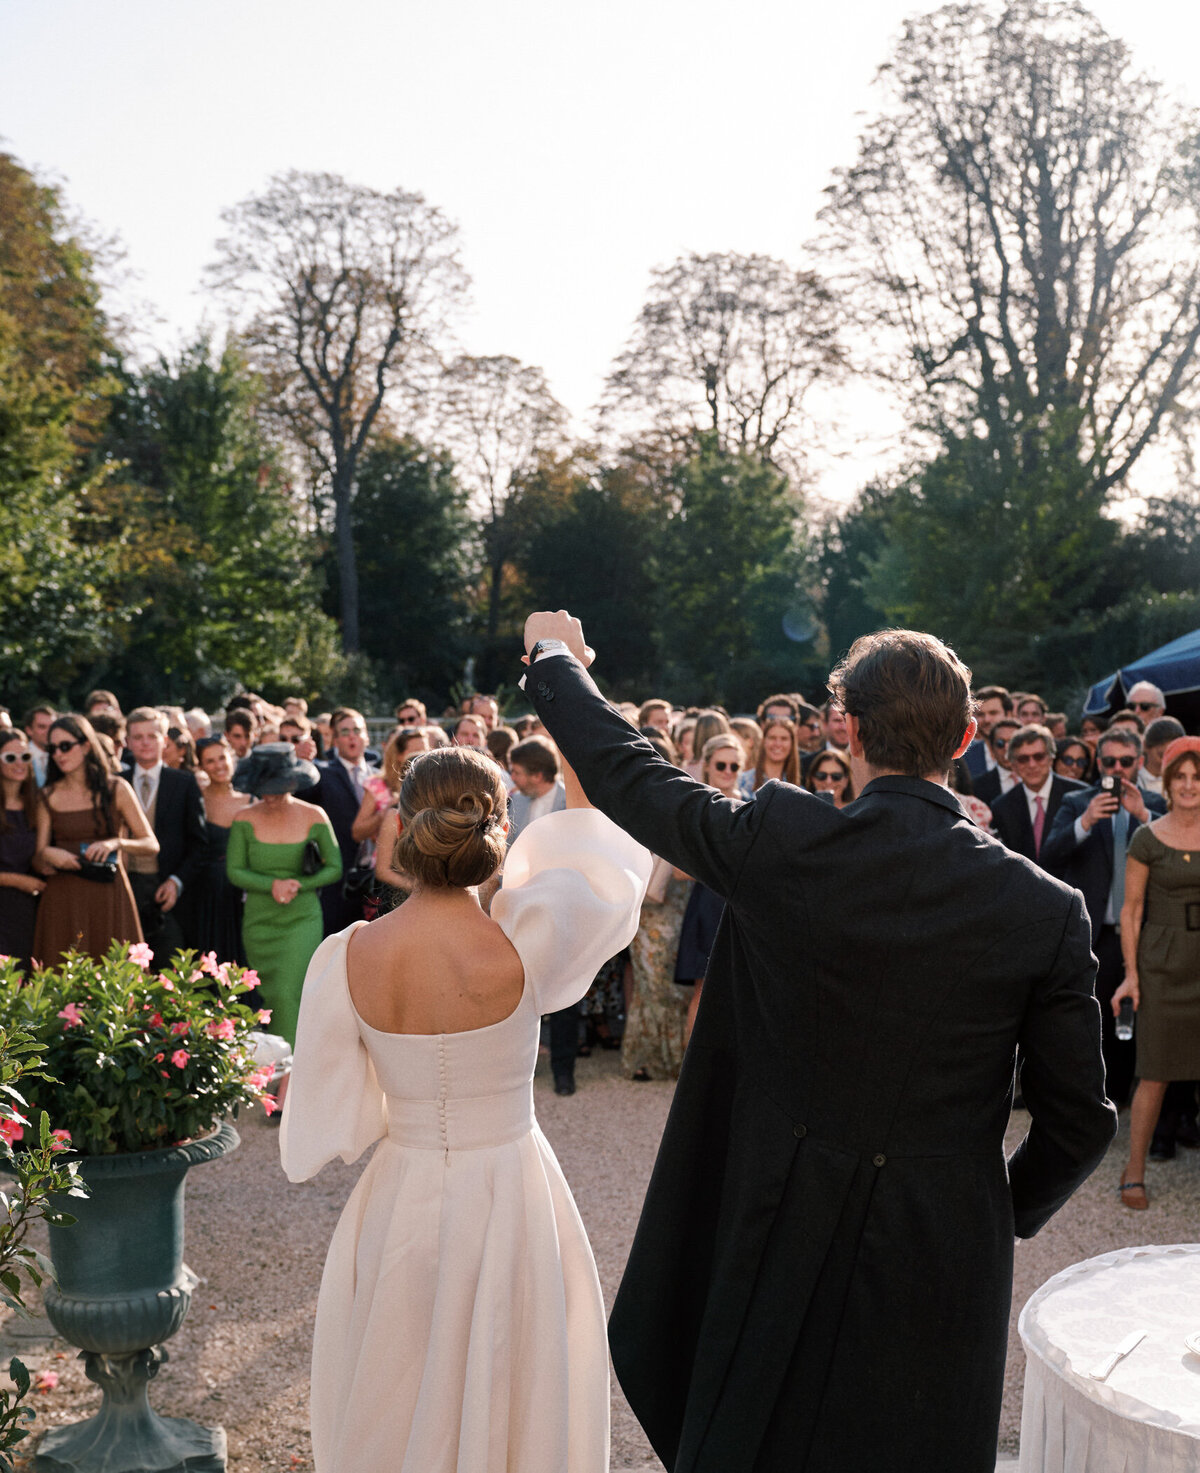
560, 625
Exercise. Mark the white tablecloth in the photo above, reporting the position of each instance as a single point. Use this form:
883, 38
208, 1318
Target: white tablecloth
1145, 1418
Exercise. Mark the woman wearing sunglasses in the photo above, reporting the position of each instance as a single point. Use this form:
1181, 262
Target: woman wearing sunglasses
830, 773
1074, 759
19, 886
88, 822
722, 759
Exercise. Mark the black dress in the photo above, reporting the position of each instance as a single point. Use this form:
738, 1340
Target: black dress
18, 911
217, 912
698, 932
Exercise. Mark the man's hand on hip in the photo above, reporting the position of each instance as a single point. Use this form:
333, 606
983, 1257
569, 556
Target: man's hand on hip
558, 626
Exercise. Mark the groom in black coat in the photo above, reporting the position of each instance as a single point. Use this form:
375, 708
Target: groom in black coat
822, 1274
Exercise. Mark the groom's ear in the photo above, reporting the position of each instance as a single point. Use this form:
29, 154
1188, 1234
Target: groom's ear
968, 738
855, 741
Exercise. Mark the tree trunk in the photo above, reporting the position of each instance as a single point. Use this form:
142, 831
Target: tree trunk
347, 562
493, 614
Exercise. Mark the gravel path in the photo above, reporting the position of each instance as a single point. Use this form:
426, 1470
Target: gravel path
258, 1243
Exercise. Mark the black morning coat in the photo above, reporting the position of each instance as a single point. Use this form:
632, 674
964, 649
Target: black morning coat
822, 1273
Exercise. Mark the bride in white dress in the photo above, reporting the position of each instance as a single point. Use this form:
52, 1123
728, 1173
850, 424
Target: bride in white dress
460, 1326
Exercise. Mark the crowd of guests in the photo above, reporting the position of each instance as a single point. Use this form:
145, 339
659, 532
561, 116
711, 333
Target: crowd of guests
254, 835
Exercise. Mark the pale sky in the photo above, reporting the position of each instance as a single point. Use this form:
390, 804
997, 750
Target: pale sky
577, 145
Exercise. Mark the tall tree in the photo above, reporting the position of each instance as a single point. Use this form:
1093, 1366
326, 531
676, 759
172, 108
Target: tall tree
731, 345
499, 418
417, 554
732, 569
55, 610
1023, 219
346, 292
207, 539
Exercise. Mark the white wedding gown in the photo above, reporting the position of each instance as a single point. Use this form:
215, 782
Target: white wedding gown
460, 1326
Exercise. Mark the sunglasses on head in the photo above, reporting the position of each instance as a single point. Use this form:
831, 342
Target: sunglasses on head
728, 766
1110, 762
57, 747
11, 757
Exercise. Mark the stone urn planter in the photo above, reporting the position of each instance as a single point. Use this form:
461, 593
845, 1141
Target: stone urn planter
123, 1288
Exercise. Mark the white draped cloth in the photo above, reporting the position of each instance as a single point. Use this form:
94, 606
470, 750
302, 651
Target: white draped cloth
1145, 1416
460, 1326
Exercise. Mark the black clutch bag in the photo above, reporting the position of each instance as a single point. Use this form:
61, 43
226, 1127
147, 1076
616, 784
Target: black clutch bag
310, 860
101, 871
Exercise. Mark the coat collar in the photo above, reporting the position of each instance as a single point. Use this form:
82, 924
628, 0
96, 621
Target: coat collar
916, 787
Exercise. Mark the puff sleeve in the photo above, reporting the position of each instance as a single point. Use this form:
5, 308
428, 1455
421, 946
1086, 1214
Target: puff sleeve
334, 1105
571, 899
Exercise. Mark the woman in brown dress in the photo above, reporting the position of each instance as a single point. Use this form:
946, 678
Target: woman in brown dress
85, 816
1160, 938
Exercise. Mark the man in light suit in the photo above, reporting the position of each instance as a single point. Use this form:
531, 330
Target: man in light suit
831, 1206
539, 789
1086, 847
1022, 817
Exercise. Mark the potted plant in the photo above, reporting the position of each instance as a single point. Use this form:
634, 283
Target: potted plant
31, 1157
144, 1067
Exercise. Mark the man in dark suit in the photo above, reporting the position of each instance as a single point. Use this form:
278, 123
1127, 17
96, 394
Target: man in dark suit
339, 791
173, 803
1000, 778
821, 1278
993, 703
1086, 847
1022, 817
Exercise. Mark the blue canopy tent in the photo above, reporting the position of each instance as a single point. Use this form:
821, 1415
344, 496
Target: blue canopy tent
1175, 669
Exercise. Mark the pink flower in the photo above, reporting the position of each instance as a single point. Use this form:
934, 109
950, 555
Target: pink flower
259, 1078
222, 974
61, 1140
208, 963
72, 1015
158, 1058
168, 985
194, 978
270, 1104
46, 1381
11, 1132
223, 1029
180, 1028
141, 954
157, 1021
264, 1015
179, 1058
249, 979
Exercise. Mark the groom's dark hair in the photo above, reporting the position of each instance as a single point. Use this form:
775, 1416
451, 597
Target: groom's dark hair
911, 696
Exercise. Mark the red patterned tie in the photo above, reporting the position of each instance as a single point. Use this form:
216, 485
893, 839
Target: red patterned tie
1039, 825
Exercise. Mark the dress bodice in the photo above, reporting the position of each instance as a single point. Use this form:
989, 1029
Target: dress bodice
572, 895
17, 843
458, 1091
78, 826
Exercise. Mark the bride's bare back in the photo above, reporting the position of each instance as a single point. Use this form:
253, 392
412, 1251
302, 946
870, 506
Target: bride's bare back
436, 965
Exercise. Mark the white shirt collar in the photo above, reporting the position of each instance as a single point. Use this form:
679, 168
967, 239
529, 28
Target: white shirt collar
360, 766
1043, 793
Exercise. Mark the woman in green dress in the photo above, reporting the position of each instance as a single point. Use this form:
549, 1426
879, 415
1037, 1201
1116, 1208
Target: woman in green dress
1160, 939
281, 926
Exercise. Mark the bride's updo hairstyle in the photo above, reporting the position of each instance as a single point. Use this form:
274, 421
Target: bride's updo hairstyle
453, 809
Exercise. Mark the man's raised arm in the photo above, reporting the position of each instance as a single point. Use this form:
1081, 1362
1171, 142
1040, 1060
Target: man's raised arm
672, 815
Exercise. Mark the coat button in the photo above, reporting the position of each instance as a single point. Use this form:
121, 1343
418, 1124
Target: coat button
878, 1160
543, 689
799, 1131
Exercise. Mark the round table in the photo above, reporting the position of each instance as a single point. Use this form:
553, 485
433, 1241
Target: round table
1145, 1417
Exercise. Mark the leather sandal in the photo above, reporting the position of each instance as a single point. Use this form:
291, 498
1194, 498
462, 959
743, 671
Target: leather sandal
1133, 1194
